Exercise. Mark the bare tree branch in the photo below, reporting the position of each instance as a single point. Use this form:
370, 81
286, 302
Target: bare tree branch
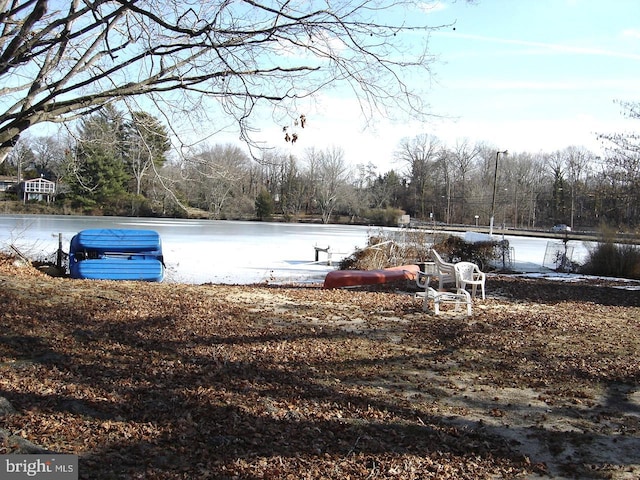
57, 62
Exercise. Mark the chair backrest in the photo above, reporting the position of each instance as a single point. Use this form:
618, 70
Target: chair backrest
446, 272
439, 260
465, 271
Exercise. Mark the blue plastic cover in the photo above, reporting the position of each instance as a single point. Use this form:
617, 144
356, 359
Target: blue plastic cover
116, 254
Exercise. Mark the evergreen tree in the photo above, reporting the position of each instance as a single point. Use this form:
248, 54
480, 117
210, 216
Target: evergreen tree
264, 204
97, 175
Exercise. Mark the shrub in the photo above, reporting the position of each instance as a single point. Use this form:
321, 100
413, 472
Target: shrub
613, 260
390, 248
455, 249
387, 217
404, 247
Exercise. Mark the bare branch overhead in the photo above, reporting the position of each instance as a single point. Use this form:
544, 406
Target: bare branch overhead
59, 61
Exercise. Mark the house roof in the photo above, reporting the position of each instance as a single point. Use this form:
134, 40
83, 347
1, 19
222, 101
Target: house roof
38, 180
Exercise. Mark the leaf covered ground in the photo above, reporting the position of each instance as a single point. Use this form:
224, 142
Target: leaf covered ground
169, 381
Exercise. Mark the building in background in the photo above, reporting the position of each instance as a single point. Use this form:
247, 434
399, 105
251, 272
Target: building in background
39, 189
8, 183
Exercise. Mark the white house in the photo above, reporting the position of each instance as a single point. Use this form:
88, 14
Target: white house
38, 189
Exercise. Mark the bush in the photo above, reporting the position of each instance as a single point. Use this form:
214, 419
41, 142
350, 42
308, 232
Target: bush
455, 249
613, 260
405, 247
387, 217
390, 249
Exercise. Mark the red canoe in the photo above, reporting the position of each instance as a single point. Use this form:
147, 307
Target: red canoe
352, 278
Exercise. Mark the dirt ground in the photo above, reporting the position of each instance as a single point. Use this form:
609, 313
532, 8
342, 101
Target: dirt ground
168, 381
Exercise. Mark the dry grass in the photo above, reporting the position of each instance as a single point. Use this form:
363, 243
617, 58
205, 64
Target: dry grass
183, 381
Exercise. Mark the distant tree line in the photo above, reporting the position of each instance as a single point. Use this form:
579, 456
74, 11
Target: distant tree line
114, 163
223, 61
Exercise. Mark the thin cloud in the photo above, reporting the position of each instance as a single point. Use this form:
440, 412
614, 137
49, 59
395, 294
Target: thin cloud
556, 47
631, 33
432, 7
583, 84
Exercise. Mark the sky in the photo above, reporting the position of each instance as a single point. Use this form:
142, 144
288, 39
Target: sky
520, 75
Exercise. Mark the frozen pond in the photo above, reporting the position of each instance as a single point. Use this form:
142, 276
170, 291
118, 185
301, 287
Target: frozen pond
202, 251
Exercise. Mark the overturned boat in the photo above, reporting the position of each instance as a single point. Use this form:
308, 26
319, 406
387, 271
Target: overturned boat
116, 254
357, 278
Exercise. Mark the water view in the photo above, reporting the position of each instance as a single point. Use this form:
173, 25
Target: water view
232, 252
201, 251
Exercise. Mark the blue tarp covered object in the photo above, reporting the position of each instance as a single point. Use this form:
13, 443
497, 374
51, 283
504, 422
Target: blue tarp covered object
116, 254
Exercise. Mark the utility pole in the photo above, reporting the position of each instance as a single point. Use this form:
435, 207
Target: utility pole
495, 182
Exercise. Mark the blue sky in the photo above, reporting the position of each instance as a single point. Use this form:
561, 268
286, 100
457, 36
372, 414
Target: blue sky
523, 75
537, 74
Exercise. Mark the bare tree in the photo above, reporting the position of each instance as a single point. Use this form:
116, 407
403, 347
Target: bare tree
217, 172
148, 143
331, 174
622, 171
522, 177
578, 163
22, 157
60, 60
49, 152
420, 155
463, 158
293, 188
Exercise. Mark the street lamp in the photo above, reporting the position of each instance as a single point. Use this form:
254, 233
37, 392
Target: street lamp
495, 182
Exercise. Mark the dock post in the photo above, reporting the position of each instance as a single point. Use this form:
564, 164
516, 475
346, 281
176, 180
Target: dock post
326, 250
59, 252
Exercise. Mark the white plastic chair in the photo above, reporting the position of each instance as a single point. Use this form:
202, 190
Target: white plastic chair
457, 297
446, 271
424, 276
468, 273
423, 279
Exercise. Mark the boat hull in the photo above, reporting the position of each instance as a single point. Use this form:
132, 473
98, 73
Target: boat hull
353, 278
